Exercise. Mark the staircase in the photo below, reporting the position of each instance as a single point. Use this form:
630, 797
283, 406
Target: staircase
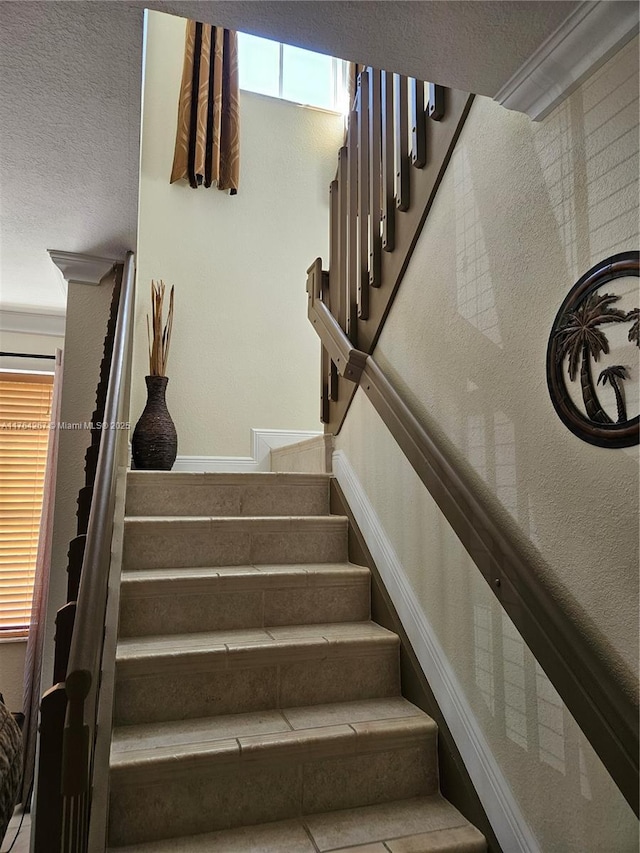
257, 707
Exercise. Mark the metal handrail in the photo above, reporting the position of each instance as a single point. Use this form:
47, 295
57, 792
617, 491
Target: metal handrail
88, 633
584, 681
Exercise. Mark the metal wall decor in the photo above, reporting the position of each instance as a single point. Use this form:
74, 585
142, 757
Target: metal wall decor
593, 322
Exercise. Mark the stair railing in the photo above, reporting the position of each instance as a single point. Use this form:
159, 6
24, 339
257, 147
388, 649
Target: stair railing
585, 683
400, 136
68, 712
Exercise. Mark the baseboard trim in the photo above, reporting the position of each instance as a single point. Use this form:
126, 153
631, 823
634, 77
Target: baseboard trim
590, 35
263, 441
503, 812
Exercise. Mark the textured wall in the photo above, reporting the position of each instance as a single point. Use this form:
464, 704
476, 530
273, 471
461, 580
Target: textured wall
12, 672
27, 343
523, 211
564, 793
70, 76
243, 354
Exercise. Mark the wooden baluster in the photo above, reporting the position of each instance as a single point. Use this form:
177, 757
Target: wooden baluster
91, 463
317, 287
325, 361
48, 816
363, 197
84, 810
388, 164
74, 566
343, 182
65, 618
402, 142
375, 176
333, 383
334, 249
418, 124
335, 290
352, 229
436, 102
85, 496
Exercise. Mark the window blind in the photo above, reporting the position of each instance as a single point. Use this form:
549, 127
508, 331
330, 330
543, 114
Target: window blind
25, 412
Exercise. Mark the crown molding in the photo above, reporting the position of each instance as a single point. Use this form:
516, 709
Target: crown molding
81, 269
591, 34
32, 323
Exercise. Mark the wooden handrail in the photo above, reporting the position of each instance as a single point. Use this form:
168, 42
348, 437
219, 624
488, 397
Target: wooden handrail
585, 683
82, 679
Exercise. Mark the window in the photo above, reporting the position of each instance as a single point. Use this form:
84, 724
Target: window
25, 412
291, 73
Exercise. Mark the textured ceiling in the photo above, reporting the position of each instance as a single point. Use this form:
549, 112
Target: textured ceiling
69, 130
70, 80
472, 44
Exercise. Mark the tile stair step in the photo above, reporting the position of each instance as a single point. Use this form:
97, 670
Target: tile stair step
152, 542
183, 676
216, 494
128, 740
256, 707
418, 825
177, 601
160, 781
164, 750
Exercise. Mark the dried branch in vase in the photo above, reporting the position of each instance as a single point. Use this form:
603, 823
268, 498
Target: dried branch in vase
159, 336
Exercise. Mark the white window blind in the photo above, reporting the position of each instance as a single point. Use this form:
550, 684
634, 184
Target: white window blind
25, 412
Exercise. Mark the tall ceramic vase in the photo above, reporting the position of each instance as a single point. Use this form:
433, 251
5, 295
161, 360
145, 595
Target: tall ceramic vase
155, 442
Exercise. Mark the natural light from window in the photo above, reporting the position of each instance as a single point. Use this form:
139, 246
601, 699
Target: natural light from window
291, 73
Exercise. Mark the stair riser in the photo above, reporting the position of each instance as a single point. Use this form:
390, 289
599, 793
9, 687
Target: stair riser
185, 498
166, 545
177, 613
179, 694
244, 793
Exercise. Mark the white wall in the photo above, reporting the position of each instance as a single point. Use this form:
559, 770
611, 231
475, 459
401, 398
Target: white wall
86, 326
243, 354
12, 654
524, 209
28, 343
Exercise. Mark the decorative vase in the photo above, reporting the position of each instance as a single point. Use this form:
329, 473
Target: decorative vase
155, 442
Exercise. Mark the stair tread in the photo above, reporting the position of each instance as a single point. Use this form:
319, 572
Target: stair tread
284, 521
246, 576
419, 825
176, 644
181, 737
194, 478
210, 742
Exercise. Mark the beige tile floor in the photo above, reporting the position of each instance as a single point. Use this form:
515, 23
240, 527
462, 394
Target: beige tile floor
22, 841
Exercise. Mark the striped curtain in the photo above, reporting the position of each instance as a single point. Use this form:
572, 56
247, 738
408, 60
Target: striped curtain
208, 136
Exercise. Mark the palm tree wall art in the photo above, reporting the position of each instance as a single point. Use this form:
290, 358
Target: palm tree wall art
581, 339
578, 339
